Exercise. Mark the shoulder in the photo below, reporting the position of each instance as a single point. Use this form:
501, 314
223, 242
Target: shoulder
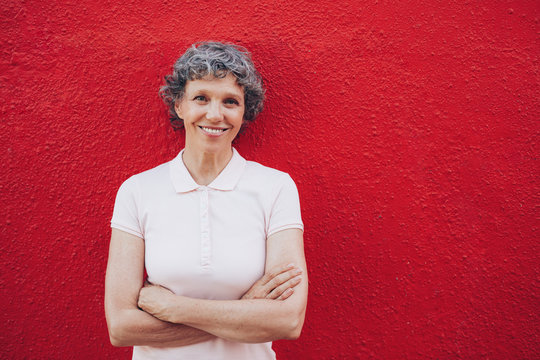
267, 181
264, 174
149, 178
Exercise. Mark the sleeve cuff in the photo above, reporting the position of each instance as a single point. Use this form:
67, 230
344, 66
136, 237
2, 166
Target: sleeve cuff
285, 227
126, 229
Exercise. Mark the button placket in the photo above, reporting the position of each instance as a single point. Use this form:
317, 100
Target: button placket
205, 228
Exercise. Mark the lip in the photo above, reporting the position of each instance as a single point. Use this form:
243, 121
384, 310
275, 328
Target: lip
218, 131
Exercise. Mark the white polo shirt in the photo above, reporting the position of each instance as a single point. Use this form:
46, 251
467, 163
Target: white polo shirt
207, 242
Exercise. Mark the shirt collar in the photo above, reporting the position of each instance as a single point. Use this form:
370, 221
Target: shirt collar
226, 180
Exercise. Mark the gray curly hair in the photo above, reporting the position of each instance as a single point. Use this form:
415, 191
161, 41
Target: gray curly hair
219, 60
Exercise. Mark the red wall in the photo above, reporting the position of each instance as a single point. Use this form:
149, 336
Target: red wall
411, 129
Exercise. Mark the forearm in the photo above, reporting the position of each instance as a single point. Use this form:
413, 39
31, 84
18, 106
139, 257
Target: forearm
130, 327
244, 320
250, 321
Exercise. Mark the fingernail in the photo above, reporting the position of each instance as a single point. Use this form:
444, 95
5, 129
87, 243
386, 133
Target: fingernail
290, 265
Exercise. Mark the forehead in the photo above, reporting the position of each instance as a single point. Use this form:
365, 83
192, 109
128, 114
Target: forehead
210, 83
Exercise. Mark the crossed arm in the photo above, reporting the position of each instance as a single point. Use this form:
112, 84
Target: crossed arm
272, 309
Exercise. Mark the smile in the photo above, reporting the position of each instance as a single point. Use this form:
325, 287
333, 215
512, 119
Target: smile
213, 131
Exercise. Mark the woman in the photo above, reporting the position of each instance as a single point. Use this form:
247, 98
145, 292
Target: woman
219, 237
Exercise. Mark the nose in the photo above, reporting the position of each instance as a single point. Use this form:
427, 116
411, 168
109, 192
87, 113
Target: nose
214, 111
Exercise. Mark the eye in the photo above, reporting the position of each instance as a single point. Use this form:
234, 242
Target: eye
231, 102
199, 98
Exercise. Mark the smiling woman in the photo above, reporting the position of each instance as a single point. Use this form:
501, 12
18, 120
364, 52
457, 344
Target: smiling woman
221, 238
212, 110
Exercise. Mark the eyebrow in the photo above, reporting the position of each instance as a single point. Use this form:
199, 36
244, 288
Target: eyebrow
227, 94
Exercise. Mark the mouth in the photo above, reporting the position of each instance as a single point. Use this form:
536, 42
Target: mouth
212, 131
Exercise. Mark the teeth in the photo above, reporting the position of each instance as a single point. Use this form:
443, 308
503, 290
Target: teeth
213, 131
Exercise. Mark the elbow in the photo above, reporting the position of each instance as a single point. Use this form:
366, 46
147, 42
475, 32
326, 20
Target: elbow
293, 326
294, 329
117, 335
295, 334
288, 328
116, 341
115, 338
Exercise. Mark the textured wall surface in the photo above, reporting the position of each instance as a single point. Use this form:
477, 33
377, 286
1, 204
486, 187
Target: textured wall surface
410, 127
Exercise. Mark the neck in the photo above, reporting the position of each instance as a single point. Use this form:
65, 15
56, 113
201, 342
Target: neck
204, 167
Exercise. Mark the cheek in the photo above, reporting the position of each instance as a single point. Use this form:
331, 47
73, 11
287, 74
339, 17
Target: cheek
191, 114
240, 116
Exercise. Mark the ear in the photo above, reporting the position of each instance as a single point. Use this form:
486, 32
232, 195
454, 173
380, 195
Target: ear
244, 125
178, 108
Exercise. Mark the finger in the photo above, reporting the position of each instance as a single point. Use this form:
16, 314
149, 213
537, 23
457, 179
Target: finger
272, 279
278, 291
256, 291
276, 271
282, 278
286, 294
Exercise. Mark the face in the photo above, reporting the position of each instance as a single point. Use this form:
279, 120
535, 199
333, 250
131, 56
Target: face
213, 111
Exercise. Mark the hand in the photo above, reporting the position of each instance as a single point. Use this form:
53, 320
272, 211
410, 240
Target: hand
277, 284
153, 300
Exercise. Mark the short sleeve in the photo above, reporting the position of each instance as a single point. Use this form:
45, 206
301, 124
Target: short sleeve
125, 215
285, 211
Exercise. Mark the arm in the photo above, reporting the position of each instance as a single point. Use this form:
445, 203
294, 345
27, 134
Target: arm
128, 325
276, 284
245, 320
